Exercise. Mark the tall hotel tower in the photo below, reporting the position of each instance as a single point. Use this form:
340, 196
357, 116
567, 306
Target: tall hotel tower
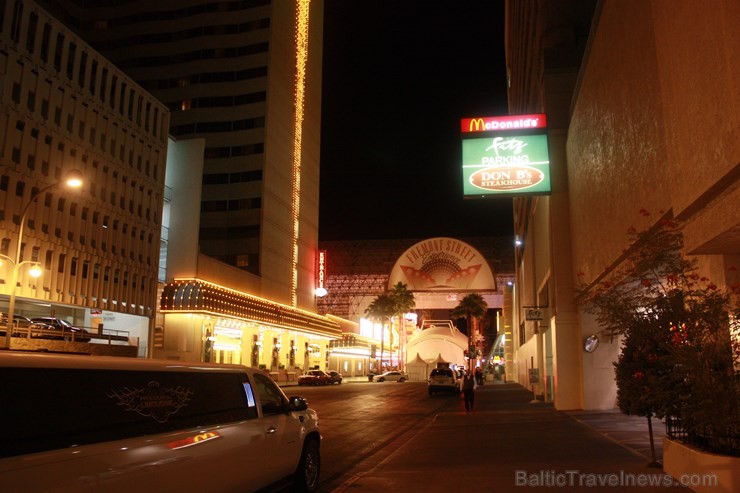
245, 76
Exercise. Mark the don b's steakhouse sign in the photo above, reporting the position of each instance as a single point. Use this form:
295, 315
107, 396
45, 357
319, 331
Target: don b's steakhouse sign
505, 155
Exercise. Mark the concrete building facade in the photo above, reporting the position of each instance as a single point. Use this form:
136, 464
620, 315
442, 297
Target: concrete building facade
64, 107
640, 99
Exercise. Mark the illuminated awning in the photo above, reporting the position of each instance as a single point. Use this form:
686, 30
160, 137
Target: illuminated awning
195, 295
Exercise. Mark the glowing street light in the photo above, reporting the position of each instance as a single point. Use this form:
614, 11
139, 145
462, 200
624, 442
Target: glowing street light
73, 179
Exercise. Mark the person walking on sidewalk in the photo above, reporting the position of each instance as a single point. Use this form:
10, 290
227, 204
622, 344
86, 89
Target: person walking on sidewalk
468, 387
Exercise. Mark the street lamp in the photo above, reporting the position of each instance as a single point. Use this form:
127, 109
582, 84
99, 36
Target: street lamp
73, 179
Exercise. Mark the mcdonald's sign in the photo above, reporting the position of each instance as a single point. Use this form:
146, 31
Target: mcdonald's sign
503, 123
505, 155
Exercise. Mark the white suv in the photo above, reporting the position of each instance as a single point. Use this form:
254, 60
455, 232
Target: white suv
92, 424
444, 380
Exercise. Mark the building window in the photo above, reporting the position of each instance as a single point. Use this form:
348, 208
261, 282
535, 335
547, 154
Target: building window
16, 93
45, 41
71, 53
31, 101
33, 22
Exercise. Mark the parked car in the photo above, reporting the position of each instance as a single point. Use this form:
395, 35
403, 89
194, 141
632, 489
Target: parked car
335, 376
21, 322
66, 330
443, 380
126, 424
314, 377
392, 376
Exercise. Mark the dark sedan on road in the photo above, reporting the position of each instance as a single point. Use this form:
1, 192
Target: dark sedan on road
314, 377
335, 376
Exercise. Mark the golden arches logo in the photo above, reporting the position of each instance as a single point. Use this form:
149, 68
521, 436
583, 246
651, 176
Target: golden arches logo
476, 124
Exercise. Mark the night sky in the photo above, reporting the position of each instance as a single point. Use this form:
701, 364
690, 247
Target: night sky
398, 77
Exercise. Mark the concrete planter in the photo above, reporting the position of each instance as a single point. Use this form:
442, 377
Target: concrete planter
703, 472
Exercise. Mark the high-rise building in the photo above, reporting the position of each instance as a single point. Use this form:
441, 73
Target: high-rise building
246, 77
65, 107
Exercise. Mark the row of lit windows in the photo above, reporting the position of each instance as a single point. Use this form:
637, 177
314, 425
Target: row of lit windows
82, 67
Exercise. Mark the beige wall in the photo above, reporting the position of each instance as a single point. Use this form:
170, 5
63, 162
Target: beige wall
649, 127
655, 126
654, 129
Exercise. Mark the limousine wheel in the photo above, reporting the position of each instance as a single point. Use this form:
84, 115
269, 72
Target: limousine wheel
307, 474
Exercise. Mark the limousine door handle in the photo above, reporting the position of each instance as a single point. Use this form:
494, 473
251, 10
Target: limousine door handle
271, 430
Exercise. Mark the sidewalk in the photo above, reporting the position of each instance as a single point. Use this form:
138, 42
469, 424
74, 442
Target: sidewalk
510, 444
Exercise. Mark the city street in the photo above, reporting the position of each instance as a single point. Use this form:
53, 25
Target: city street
362, 423
394, 436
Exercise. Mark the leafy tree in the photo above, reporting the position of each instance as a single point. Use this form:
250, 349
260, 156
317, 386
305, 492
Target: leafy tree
680, 353
473, 308
403, 302
382, 308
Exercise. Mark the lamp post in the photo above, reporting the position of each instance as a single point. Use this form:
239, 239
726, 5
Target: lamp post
73, 179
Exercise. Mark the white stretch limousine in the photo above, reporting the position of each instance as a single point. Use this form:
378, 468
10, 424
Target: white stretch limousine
100, 424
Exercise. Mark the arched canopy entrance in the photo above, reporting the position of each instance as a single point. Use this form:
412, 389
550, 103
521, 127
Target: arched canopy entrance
441, 271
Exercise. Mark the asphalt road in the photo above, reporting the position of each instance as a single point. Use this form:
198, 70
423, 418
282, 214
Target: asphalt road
361, 423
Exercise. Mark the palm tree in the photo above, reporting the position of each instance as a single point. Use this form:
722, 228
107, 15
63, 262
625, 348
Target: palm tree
381, 308
473, 307
403, 302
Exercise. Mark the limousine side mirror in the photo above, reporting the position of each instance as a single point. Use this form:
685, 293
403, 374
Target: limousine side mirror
298, 403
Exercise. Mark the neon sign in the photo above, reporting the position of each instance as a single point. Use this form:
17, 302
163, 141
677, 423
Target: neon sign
502, 123
321, 273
